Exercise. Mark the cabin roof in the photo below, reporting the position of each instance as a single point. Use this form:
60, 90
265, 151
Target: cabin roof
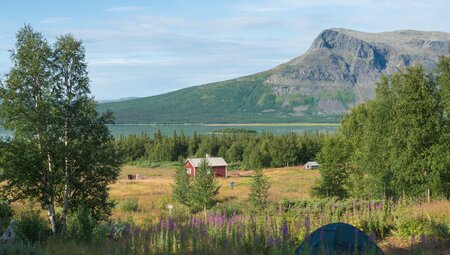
312, 163
212, 161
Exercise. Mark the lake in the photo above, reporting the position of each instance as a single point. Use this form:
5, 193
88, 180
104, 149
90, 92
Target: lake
189, 129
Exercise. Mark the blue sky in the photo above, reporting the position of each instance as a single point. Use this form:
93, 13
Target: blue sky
142, 48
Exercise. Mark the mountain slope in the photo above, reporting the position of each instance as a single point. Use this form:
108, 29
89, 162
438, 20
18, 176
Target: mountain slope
337, 72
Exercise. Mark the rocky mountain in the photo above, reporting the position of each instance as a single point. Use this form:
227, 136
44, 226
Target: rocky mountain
337, 72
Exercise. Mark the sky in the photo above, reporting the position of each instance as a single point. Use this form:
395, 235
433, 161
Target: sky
142, 48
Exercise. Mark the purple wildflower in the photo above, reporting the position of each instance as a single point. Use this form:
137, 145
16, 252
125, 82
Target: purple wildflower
379, 206
161, 224
171, 224
284, 228
373, 236
112, 231
126, 229
274, 241
423, 238
225, 243
307, 224
136, 231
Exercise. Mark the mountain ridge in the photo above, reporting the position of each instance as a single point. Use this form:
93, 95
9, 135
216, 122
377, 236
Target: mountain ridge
336, 73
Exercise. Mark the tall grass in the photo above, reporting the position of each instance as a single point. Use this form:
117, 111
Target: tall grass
278, 230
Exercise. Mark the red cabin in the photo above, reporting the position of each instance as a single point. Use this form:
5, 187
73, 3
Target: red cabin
218, 165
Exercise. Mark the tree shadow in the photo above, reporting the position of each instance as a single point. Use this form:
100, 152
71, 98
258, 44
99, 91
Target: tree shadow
228, 198
427, 247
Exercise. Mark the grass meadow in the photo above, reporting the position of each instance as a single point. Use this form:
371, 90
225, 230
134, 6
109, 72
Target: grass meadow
141, 223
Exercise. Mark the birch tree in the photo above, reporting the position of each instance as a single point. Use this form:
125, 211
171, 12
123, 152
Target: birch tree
61, 153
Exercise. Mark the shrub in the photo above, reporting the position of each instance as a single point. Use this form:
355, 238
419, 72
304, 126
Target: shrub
31, 228
80, 225
129, 205
229, 209
5, 215
418, 226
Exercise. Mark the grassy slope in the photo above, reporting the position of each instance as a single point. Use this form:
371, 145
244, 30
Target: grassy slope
291, 182
242, 100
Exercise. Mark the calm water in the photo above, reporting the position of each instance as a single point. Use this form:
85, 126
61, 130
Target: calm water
206, 129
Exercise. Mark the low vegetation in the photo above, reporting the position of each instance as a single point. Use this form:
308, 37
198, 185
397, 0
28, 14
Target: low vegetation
402, 226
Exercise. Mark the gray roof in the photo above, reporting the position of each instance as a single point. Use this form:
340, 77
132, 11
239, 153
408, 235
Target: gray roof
219, 161
313, 163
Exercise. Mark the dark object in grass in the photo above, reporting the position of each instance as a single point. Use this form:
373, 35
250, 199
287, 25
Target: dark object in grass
338, 238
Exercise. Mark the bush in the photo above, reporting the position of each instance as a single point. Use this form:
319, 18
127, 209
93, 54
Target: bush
80, 225
229, 209
31, 228
112, 230
5, 215
129, 205
416, 227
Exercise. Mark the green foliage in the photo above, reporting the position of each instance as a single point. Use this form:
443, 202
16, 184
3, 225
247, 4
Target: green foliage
6, 214
396, 143
240, 150
234, 131
421, 226
31, 228
203, 189
61, 152
333, 168
180, 188
129, 205
80, 225
443, 70
259, 191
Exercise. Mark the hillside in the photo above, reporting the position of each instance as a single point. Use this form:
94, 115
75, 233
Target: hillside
336, 73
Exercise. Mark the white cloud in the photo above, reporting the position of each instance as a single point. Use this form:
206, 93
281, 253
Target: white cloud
129, 61
157, 53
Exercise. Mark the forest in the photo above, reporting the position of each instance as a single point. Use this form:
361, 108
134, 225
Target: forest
240, 150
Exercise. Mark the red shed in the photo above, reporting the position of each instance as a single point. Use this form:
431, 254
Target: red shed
218, 165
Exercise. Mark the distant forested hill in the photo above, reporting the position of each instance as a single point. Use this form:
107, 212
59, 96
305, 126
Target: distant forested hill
338, 72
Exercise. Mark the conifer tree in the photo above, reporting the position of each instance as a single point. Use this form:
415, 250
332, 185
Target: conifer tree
203, 189
259, 191
181, 186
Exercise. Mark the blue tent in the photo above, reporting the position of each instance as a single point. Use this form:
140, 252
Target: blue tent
338, 238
